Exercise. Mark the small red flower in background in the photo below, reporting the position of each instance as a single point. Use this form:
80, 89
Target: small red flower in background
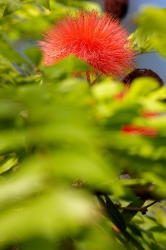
98, 39
122, 94
134, 129
138, 130
150, 114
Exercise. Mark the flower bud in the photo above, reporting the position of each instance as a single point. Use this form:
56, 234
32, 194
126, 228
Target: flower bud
118, 8
142, 72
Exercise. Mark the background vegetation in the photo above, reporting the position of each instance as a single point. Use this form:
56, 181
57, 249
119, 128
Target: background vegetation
61, 144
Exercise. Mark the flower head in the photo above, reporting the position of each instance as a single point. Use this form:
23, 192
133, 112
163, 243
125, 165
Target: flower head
98, 39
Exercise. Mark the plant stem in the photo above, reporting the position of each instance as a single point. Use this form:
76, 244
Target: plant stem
141, 209
92, 83
142, 53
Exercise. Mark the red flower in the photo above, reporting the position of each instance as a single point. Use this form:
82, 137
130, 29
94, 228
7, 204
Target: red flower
97, 39
122, 94
138, 130
150, 114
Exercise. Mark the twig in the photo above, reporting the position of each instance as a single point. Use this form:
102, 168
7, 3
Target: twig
146, 52
92, 83
143, 210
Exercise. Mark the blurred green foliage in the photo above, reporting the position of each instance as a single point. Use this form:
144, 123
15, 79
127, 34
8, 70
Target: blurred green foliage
61, 144
150, 36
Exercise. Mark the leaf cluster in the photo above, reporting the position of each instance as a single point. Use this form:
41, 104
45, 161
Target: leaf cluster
62, 149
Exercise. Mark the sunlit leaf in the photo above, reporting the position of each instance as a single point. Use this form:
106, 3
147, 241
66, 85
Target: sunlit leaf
48, 215
151, 32
44, 3
12, 6
8, 164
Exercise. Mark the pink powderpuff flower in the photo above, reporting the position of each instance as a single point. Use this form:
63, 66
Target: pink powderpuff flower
98, 39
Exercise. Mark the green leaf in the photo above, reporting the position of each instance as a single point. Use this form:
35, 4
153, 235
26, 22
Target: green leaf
12, 6
141, 87
128, 214
38, 243
113, 210
47, 215
34, 55
69, 65
13, 58
136, 243
127, 245
88, 5
151, 33
2, 7
8, 164
114, 215
44, 3
133, 244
